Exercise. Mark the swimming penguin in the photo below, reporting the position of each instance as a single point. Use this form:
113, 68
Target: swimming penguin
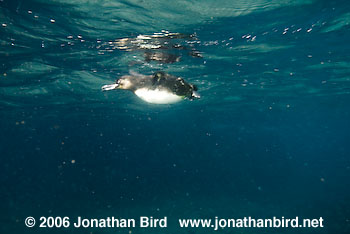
159, 88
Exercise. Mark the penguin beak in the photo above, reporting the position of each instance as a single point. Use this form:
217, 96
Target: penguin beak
110, 87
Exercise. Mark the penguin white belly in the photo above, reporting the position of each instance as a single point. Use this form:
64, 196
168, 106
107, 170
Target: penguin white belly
157, 96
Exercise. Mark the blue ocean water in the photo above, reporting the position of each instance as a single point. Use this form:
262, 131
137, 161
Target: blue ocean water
269, 136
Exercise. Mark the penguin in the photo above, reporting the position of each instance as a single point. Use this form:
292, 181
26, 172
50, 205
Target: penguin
159, 88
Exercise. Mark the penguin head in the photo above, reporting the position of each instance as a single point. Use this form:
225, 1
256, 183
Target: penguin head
124, 83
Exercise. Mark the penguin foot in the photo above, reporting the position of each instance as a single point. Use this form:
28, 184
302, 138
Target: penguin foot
195, 95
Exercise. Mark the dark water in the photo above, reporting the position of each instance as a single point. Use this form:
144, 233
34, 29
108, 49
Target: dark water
269, 137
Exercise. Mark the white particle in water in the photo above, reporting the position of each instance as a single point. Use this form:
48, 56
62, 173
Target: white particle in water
4, 25
309, 30
30, 12
52, 21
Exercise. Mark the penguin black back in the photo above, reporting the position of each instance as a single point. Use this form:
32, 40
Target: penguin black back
174, 84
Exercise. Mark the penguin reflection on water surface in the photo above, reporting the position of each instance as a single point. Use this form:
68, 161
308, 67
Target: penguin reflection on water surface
159, 88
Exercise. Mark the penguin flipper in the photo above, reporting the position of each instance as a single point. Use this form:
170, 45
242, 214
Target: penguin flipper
158, 78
